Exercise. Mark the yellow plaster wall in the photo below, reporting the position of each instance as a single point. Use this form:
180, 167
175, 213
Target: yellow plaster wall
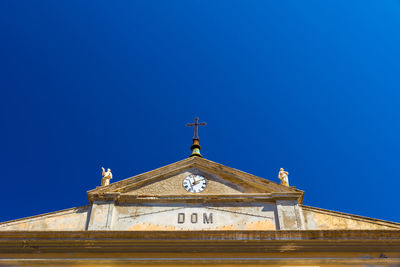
67, 220
256, 216
257, 225
321, 220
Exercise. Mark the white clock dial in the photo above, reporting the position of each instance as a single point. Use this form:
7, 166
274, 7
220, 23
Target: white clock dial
194, 183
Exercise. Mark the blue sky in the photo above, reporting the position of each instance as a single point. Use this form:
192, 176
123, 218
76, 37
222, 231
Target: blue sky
310, 86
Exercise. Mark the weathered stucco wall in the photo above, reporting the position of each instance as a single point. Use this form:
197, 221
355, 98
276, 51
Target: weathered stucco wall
289, 215
182, 216
101, 215
66, 220
320, 219
285, 215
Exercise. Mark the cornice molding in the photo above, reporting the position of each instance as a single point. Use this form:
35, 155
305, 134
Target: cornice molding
200, 241
205, 198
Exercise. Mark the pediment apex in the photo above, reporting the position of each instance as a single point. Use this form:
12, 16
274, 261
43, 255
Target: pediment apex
224, 173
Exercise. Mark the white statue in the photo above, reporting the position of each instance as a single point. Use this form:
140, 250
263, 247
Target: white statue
107, 176
284, 177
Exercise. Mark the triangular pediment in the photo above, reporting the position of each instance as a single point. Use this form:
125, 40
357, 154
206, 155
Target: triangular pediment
232, 201
168, 180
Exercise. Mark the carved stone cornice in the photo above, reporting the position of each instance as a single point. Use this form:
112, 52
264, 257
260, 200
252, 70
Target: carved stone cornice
206, 198
200, 241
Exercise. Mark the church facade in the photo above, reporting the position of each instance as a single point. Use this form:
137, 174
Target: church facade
198, 212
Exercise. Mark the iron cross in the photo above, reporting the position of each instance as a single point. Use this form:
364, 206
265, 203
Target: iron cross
196, 125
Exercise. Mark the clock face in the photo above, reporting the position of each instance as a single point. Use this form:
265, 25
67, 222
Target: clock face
194, 183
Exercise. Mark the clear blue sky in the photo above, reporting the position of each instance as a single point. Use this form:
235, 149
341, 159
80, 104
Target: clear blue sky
310, 86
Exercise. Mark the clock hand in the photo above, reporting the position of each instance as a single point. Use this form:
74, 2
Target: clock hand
191, 186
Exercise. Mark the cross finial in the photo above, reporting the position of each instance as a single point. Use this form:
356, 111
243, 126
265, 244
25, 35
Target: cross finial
196, 146
196, 125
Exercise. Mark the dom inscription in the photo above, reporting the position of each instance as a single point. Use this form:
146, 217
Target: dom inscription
194, 218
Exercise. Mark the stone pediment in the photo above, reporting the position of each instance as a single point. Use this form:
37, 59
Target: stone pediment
232, 201
167, 182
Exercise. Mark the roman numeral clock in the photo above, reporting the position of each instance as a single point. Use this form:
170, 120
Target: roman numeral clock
194, 183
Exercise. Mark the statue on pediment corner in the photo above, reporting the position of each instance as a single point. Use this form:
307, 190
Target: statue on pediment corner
284, 177
107, 176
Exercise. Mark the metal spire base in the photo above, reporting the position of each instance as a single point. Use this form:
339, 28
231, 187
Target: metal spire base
195, 148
